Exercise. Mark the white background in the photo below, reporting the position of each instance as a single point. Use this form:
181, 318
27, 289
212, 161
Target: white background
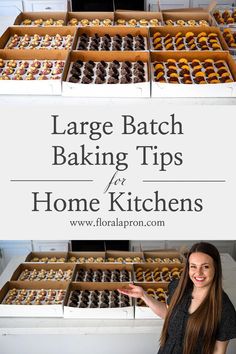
208, 147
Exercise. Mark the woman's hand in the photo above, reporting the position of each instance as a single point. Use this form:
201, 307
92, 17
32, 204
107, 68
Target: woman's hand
135, 291
132, 291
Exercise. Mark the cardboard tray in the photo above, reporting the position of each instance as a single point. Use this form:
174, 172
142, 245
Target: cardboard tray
137, 15
232, 50
221, 9
31, 255
173, 30
87, 255
41, 31
182, 90
31, 266
43, 15
186, 16
91, 15
105, 90
112, 31
144, 312
31, 87
31, 310
103, 267
97, 313
163, 254
124, 255
154, 266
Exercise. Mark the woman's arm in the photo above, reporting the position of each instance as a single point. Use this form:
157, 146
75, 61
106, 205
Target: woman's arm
159, 308
220, 347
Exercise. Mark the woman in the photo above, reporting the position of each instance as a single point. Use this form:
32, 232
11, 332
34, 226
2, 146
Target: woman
199, 317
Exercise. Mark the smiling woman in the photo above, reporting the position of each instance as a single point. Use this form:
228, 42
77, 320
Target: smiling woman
200, 317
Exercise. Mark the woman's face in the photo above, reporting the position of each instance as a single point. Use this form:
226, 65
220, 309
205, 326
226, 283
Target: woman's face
201, 269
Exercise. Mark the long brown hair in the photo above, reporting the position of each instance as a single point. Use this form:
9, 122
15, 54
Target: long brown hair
205, 319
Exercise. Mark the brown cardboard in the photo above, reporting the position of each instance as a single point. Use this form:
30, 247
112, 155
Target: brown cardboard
173, 30
208, 90
103, 267
118, 90
41, 31
112, 31
43, 15
137, 15
186, 16
31, 310
163, 254
48, 266
31, 255
102, 313
87, 255
92, 15
124, 255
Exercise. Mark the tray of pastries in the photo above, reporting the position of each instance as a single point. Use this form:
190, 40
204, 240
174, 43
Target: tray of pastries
31, 69
229, 35
34, 297
225, 16
190, 39
196, 71
41, 272
102, 72
116, 41
84, 19
41, 19
103, 273
98, 298
157, 274
86, 257
137, 18
46, 257
157, 293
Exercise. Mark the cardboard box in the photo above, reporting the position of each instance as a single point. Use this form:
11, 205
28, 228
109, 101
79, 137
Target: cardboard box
49, 255
137, 15
124, 257
221, 9
97, 313
153, 267
31, 310
31, 87
90, 16
40, 15
103, 267
232, 50
188, 16
144, 312
195, 90
173, 30
34, 266
31, 31
163, 254
112, 31
86, 257
106, 90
